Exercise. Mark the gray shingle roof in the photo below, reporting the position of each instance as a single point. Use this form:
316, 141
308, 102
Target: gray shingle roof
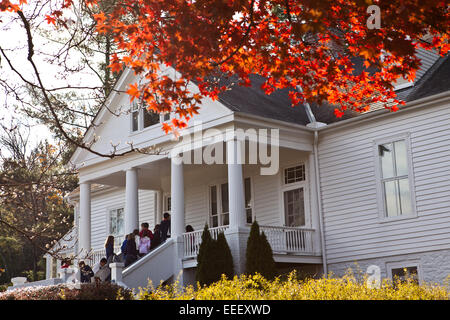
252, 100
434, 81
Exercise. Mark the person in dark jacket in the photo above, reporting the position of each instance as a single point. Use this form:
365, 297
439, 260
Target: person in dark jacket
86, 272
130, 250
165, 227
109, 246
123, 248
156, 237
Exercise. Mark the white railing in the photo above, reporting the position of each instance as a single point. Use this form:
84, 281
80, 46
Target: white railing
289, 239
192, 240
96, 255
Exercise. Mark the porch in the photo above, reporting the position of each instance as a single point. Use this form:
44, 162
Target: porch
227, 196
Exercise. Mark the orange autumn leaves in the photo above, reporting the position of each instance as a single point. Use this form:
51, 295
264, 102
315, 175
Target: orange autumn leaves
312, 44
6, 5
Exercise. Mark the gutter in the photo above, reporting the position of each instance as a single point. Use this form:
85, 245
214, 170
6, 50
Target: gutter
319, 202
419, 103
316, 125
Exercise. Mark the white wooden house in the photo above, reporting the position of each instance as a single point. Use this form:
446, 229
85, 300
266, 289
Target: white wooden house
371, 188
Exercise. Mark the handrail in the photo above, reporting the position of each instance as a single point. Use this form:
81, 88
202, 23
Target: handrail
148, 256
288, 228
193, 239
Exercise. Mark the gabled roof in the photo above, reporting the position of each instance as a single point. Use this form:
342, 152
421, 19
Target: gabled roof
434, 81
252, 100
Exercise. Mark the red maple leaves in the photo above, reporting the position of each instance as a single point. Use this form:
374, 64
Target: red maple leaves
323, 47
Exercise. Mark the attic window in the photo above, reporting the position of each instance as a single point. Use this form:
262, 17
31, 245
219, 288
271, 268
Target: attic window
142, 118
134, 117
150, 118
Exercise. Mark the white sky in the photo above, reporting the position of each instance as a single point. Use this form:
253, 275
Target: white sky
13, 41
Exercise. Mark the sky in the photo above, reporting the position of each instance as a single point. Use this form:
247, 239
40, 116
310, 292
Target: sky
13, 41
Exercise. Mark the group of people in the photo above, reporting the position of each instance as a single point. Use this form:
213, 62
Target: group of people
136, 245
101, 272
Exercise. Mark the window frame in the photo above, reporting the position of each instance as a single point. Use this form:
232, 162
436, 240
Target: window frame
218, 184
405, 264
108, 220
381, 196
140, 119
292, 186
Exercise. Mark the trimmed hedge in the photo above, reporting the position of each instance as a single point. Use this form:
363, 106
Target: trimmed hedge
86, 291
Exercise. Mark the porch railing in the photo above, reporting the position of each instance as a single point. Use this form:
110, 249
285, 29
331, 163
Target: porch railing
96, 255
192, 240
289, 239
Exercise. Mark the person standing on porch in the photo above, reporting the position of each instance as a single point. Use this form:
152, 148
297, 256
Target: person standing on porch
165, 227
145, 231
136, 237
144, 246
123, 248
130, 250
156, 237
109, 246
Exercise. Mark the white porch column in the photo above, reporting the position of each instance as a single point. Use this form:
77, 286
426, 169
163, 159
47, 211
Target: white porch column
159, 206
48, 266
236, 185
177, 196
85, 217
131, 201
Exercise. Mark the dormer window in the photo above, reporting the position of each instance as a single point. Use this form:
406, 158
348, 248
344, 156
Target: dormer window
134, 117
142, 118
150, 118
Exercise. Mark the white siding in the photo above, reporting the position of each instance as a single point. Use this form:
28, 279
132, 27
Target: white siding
353, 229
101, 203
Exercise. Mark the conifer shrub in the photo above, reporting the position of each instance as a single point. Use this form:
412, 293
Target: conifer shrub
224, 258
259, 255
214, 259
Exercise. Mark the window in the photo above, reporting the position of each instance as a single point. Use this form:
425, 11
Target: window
134, 117
168, 204
219, 204
294, 174
402, 274
293, 193
150, 118
294, 207
395, 182
116, 225
142, 118
165, 117
248, 200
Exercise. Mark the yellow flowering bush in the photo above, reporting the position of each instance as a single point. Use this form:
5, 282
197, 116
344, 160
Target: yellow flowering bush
256, 287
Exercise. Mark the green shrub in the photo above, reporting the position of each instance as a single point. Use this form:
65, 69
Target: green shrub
224, 259
259, 256
86, 291
204, 262
214, 259
256, 287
